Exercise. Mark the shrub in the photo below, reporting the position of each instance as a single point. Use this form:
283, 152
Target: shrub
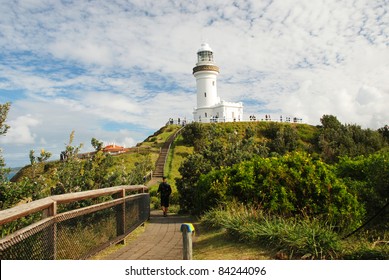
292, 185
368, 177
299, 237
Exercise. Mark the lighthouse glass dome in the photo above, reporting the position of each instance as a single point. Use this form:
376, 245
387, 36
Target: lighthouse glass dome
205, 56
205, 53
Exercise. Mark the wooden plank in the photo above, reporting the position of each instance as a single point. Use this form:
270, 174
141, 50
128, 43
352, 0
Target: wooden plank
71, 197
22, 210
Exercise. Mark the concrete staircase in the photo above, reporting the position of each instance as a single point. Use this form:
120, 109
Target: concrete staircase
163, 154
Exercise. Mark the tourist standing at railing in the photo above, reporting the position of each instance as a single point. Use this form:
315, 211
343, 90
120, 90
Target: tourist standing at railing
165, 190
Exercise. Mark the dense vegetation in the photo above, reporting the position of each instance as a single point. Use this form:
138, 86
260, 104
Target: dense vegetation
73, 173
332, 175
295, 187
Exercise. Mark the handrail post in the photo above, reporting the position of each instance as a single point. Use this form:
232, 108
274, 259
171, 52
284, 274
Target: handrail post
51, 241
121, 215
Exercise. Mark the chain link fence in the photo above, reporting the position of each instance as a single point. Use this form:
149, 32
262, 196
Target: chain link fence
79, 233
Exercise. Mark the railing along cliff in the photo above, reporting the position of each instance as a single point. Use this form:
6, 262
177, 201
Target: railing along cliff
78, 233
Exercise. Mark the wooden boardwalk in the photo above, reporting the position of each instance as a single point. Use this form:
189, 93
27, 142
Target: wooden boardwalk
161, 240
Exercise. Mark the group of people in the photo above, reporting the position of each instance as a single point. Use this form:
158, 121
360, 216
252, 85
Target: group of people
179, 121
268, 118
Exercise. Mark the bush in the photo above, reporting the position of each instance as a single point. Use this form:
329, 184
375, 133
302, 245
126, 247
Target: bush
298, 238
292, 185
368, 177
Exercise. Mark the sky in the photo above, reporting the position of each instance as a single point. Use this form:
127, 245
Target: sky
118, 70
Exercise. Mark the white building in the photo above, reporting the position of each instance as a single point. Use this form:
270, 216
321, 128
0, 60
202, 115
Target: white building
209, 106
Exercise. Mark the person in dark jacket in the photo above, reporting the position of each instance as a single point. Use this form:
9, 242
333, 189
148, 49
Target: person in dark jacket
165, 190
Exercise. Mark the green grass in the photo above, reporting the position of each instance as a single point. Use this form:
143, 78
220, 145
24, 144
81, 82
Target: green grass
111, 249
212, 244
368, 245
159, 137
177, 155
307, 238
126, 161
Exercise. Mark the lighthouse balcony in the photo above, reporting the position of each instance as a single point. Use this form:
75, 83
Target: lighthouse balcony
206, 67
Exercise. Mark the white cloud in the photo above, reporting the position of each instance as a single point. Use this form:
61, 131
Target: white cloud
20, 131
83, 64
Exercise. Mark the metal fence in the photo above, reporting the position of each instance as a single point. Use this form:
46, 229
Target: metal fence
100, 218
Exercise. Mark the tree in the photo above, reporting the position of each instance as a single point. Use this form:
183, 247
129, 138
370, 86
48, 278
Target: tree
190, 171
34, 160
68, 173
337, 140
96, 144
11, 193
368, 176
4, 108
384, 131
329, 138
286, 140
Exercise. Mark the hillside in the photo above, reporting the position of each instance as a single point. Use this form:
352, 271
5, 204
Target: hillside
52, 177
260, 137
310, 192
302, 179
149, 147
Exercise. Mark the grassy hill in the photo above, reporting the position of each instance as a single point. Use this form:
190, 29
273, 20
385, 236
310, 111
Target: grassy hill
262, 132
150, 147
214, 153
260, 137
311, 185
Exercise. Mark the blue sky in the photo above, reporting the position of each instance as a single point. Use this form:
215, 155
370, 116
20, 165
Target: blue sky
118, 70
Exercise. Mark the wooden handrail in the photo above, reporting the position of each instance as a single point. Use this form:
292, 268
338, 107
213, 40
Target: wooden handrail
23, 210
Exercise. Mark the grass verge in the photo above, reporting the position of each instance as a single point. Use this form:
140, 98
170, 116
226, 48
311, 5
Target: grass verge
211, 244
292, 238
111, 249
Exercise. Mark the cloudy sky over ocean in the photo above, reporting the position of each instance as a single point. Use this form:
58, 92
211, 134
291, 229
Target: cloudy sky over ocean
118, 70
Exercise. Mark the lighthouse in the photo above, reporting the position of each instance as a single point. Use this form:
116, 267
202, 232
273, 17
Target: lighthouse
209, 107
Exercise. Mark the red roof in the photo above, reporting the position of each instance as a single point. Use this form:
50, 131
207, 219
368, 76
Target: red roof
113, 148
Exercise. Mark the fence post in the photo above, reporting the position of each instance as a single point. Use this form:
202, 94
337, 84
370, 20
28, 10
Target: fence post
121, 215
187, 230
51, 241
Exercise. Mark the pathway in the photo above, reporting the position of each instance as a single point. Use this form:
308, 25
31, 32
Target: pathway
161, 240
160, 164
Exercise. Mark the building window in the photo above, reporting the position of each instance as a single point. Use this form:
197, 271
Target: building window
205, 94
206, 115
213, 83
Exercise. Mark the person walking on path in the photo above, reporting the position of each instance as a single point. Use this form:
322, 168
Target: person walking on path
165, 190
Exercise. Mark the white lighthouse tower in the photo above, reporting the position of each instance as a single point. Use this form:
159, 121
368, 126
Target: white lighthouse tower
209, 107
